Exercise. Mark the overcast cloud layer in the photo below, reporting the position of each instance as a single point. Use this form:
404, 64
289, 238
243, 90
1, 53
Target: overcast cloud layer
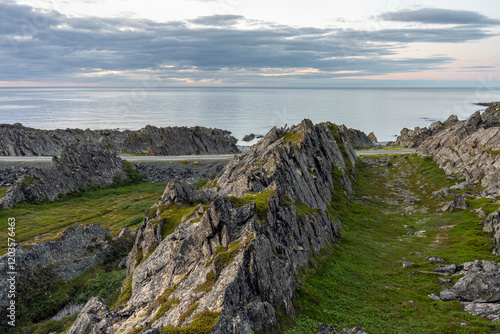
48, 46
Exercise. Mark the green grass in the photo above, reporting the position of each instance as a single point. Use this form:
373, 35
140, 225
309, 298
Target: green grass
113, 208
3, 191
292, 137
203, 323
361, 281
172, 216
261, 201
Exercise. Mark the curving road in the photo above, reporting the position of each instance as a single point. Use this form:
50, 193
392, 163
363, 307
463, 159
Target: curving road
191, 158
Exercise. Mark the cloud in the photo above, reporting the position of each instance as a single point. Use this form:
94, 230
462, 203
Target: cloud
46, 45
217, 20
439, 16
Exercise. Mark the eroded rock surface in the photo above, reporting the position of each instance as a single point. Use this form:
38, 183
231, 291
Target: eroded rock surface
235, 253
78, 249
470, 149
413, 138
18, 140
78, 166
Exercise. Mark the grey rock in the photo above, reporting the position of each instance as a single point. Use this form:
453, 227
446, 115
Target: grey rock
444, 280
90, 315
326, 329
433, 296
467, 150
489, 310
249, 137
78, 166
459, 202
123, 263
492, 224
407, 264
266, 249
18, 140
434, 259
446, 269
357, 138
462, 186
443, 191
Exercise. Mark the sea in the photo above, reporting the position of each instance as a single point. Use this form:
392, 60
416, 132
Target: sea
384, 111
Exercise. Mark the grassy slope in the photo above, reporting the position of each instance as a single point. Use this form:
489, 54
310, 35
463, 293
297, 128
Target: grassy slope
113, 208
361, 280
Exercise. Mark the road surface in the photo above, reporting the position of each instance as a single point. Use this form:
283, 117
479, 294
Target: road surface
191, 158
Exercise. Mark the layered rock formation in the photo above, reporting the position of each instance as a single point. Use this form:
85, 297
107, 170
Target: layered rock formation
470, 149
78, 249
18, 140
78, 166
478, 289
413, 138
357, 138
225, 258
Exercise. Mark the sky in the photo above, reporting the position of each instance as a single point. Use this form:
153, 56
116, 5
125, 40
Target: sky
248, 43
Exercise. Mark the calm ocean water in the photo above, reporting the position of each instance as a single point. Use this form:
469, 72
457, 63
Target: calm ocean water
385, 111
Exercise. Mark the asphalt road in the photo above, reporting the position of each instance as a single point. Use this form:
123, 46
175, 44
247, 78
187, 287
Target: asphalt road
191, 158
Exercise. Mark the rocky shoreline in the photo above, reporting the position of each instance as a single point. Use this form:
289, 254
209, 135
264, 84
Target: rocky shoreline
230, 261
18, 140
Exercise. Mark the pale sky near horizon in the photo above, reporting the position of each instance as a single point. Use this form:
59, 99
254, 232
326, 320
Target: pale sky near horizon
249, 43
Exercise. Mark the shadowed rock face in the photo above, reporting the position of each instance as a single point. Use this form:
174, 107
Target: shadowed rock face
78, 249
77, 166
470, 149
18, 140
238, 251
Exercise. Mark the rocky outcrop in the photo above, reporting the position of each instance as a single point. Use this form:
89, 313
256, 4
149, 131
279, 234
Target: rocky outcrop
78, 166
413, 138
18, 140
89, 316
470, 149
78, 249
356, 137
478, 289
230, 261
492, 225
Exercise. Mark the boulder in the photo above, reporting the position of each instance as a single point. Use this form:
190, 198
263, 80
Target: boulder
480, 283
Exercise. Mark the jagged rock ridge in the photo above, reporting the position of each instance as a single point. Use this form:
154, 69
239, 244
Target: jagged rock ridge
233, 256
78, 166
18, 140
470, 149
413, 138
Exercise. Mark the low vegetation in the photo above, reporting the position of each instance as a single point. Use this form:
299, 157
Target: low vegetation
113, 208
361, 280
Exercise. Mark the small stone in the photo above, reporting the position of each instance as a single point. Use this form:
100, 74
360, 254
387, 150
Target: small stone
407, 264
447, 295
326, 329
446, 269
434, 259
443, 280
433, 296
410, 233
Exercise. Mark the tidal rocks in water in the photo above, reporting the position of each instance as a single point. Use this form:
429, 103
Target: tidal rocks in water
18, 140
237, 252
78, 166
